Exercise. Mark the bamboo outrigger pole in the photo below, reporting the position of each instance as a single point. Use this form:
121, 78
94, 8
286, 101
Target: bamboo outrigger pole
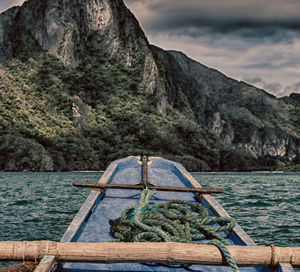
169, 252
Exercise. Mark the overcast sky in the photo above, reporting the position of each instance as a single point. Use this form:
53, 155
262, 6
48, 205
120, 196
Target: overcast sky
257, 41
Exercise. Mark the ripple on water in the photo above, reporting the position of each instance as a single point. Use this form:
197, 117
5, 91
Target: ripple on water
37, 206
267, 206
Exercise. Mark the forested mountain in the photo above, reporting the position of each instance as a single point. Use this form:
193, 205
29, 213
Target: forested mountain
81, 86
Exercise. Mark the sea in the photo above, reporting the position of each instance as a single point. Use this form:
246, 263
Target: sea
40, 206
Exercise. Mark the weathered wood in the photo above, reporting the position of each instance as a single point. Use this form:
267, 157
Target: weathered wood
147, 252
27, 250
141, 187
145, 172
47, 264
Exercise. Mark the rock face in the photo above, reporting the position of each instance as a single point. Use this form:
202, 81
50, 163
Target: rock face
7, 27
242, 116
72, 29
78, 112
68, 29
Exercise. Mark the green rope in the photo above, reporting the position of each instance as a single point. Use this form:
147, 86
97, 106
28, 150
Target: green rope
173, 221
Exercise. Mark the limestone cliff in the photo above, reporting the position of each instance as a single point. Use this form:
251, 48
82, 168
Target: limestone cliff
72, 29
241, 115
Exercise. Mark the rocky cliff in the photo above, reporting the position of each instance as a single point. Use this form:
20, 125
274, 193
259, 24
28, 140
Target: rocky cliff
242, 116
80, 85
71, 30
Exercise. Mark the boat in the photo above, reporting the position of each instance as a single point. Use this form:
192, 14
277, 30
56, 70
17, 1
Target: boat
119, 187
91, 224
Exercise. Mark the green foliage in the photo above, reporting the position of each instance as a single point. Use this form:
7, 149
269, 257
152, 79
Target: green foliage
36, 102
297, 168
55, 117
276, 163
19, 154
231, 160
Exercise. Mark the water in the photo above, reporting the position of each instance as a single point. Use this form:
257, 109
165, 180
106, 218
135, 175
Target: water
267, 206
40, 206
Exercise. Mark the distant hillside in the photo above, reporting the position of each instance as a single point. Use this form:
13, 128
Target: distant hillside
242, 116
81, 86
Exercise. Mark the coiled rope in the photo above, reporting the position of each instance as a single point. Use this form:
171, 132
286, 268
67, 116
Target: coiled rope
172, 221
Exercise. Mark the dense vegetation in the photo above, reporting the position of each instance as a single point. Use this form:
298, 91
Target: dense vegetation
56, 118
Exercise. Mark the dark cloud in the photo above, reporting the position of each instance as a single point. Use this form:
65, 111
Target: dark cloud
248, 18
275, 62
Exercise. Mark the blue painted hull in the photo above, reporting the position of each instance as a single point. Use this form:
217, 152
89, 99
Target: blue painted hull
91, 224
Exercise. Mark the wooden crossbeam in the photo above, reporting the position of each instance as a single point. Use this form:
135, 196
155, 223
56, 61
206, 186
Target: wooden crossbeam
170, 252
141, 187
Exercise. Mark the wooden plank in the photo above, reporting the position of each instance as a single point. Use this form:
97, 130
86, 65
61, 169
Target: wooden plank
86, 209
181, 253
107, 175
47, 264
285, 268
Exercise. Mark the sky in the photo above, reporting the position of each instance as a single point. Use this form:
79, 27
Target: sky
257, 41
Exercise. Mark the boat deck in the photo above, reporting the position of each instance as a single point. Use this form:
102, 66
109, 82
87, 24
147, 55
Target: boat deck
92, 222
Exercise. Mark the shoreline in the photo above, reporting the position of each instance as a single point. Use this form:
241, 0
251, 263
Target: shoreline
210, 172
83, 171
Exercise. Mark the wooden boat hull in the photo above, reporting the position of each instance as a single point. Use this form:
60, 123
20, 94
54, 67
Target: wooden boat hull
91, 224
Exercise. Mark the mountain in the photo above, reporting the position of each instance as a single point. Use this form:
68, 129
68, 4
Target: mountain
70, 30
81, 86
239, 114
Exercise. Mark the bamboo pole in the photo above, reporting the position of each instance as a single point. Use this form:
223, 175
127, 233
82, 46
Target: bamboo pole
110, 252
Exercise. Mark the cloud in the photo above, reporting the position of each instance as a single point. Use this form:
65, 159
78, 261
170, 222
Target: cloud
239, 58
253, 80
274, 87
245, 18
6, 4
243, 39
295, 88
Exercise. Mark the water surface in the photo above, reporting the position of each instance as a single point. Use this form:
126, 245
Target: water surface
40, 206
